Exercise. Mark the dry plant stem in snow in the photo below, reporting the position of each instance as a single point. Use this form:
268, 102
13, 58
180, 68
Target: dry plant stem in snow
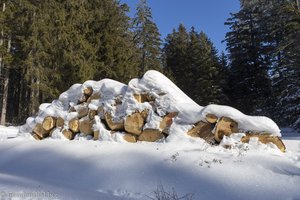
161, 194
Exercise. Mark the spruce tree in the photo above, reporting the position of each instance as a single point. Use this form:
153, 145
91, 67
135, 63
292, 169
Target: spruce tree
175, 53
194, 63
147, 39
249, 81
58, 43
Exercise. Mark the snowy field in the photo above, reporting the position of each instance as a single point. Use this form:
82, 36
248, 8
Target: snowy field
86, 169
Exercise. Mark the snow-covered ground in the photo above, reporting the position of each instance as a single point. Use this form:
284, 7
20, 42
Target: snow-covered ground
86, 169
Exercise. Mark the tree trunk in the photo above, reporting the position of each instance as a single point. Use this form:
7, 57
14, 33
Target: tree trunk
5, 77
4, 98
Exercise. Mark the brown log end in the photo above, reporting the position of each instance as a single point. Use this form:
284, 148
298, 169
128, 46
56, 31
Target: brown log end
134, 123
130, 138
68, 134
40, 131
225, 126
74, 125
49, 123
150, 135
113, 125
211, 118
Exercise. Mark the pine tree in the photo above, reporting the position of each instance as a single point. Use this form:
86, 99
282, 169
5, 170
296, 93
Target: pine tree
5, 58
249, 81
147, 39
175, 53
286, 67
193, 61
58, 43
273, 26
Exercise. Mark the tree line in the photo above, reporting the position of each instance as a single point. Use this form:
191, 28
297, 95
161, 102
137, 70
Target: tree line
46, 46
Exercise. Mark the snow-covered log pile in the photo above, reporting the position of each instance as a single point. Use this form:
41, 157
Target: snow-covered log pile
148, 109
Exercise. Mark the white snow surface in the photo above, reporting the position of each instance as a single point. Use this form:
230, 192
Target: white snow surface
86, 169
117, 98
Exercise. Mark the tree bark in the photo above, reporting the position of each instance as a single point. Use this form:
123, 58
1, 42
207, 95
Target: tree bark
4, 98
5, 77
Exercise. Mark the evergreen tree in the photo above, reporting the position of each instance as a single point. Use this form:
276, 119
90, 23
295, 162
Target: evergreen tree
5, 57
193, 61
249, 81
147, 39
175, 52
273, 27
58, 43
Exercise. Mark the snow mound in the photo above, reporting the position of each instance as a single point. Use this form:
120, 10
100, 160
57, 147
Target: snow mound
245, 122
109, 98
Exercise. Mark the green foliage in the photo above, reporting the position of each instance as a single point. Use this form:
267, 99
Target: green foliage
194, 63
147, 39
58, 43
263, 47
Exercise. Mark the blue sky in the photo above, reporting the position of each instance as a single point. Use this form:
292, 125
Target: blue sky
206, 15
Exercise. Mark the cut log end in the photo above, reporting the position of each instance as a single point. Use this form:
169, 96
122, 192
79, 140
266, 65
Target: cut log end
88, 91
93, 97
60, 122
40, 131
265, 139
225, 126
150, 135
167, 121
140, 98
130, 138
202, 130
134, 123
74, 125
68, 134
113, 125
85, 126
49, 123
211, 118
96, 135
35, 136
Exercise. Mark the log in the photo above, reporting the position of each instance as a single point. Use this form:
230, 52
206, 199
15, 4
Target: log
140, 98
225, 126
74, 125
68, 134
167, 121
96, 135
134, 123
130, 138
113, 125
93, 96
49, 123
40, 131
265, 138
60, 122
92, 114
35, 136
202, 130
211, 118
82, 110
88, 91
85, 126
150, 135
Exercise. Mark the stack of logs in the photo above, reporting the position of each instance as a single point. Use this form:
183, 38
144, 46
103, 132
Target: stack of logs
212, 129
132, 126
